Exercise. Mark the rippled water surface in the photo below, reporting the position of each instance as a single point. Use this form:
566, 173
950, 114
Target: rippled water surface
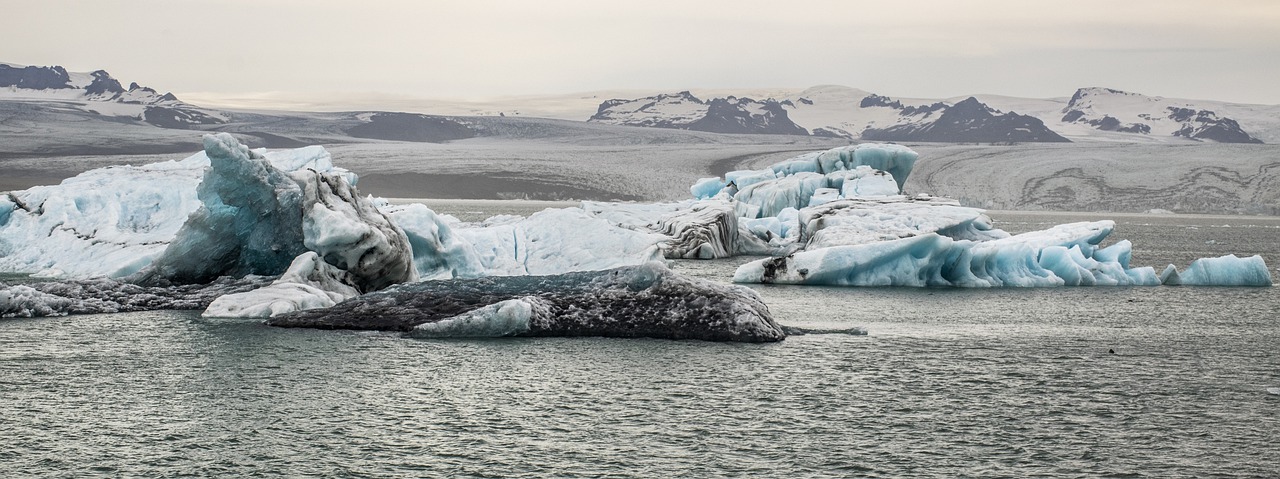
946, 383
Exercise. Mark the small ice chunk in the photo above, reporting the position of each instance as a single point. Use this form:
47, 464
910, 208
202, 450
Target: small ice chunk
504, 318
1228, 270
706, 188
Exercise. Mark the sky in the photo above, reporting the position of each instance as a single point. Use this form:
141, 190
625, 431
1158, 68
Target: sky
482, 49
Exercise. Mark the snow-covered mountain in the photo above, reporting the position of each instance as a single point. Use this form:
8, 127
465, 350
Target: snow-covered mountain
686, 112
1090, 114
98, 92
1113, 110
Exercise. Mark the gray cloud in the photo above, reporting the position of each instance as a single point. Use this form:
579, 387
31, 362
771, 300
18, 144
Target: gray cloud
906, 48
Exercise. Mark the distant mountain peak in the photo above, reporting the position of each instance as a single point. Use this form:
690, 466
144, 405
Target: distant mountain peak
969, 120
683, 110
1107, 109
98, 89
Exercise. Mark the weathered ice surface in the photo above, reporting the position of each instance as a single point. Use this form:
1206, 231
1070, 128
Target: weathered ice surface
94, 296
349, 232
114, 221
256, 219
637, 301
868, 220
1065, 255
309, 283
250, 221
696, 229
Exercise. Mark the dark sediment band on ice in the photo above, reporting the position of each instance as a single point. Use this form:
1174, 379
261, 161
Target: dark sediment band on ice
94, 296
629, 302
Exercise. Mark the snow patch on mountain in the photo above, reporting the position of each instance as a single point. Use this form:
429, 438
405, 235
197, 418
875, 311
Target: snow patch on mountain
1114, 110
100, 93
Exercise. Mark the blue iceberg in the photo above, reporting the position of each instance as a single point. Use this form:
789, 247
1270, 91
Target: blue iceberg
1066, 255
1226, 270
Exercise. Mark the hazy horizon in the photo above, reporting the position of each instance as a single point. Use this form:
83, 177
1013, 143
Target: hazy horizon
485, 50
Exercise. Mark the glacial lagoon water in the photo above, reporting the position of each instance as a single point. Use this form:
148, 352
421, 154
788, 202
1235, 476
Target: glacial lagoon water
945, 383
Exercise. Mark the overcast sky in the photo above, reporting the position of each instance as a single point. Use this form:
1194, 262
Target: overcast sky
1224, 50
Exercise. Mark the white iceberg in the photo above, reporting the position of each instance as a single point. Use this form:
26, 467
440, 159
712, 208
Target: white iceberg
114, 221
555, 241
868, 220
309, 283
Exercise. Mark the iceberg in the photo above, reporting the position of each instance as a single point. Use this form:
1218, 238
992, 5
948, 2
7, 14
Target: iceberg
895, 160
115, 221
1226, 270
635, 301
551, 241
1063, 255
103, 295
249, 221
258, 220
812, 179
704, 188
702, 229
555, 241
350, 233
309, 283
867, 220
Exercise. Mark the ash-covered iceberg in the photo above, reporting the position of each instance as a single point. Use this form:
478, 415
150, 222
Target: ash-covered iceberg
1228, 270
102, 295
1064, 255
635, 301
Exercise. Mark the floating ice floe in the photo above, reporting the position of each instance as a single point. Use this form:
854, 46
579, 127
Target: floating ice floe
1226, 270
634, 301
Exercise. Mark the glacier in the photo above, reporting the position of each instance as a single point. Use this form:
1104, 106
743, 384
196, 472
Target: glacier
648, 300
